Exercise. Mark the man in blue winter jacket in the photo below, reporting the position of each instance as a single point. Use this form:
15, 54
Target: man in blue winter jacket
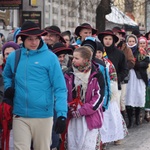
39, 88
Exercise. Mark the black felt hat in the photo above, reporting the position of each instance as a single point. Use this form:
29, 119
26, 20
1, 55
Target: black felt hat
60, 48
107, 32
84, 26
29, 28
55, 30
119, 30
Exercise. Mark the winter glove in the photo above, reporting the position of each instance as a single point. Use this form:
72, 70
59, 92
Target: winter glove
8, 101
9, 93
75, 114
60, 125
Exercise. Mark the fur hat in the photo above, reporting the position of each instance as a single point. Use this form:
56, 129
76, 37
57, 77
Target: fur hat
100, 46
29, 28
9, 44
60, 48
101, 35
90, 42
132, 35
55, 30
84, 26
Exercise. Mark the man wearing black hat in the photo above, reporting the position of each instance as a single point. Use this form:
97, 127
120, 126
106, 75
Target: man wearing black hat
83, 31
36, 92
53, 36
108, 39
61, 50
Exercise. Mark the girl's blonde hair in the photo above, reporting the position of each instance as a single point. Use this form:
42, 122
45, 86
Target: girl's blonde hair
85, 52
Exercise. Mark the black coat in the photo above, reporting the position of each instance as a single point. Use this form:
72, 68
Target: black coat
118, 59
141, 67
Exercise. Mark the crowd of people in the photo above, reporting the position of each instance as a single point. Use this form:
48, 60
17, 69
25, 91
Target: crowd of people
74, 90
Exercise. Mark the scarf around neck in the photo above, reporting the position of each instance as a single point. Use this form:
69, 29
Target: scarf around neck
133, 47
85, 68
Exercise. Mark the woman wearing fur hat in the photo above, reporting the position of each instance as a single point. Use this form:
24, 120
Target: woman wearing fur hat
136, 87
37, 92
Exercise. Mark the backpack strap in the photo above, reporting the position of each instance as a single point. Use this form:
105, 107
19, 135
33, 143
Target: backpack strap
17, 58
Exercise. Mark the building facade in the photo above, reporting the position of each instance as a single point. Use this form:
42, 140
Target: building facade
69, 14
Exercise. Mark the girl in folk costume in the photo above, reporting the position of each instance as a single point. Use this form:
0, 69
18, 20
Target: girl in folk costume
85, 105
136, 88
114, 127
143, 44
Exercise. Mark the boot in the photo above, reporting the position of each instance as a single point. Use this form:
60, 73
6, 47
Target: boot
147, 116
137, 115
129, 111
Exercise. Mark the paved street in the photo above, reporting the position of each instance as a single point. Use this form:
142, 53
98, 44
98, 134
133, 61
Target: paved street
138, 139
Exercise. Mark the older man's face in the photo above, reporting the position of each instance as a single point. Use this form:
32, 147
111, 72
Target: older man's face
51, 38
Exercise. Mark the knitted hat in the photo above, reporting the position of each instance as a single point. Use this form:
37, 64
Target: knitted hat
55, 30
29, 28
60, 48
90, 42
101, 35
84, 26
9, 44
100, 46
